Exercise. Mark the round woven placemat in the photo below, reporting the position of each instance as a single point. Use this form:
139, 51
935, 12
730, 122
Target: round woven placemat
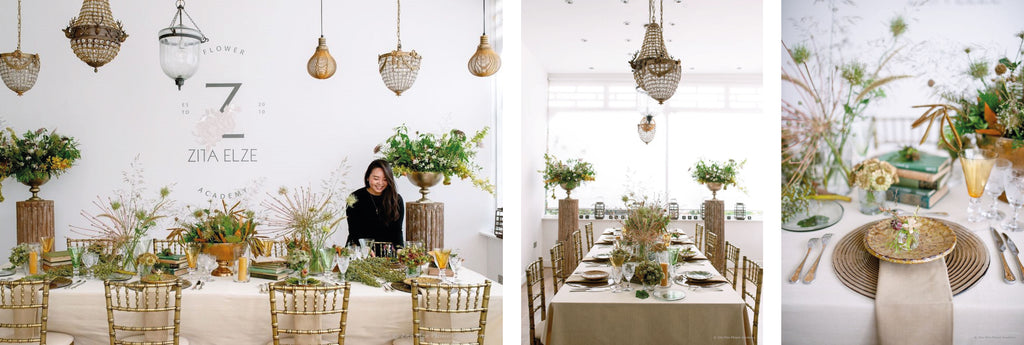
858, 270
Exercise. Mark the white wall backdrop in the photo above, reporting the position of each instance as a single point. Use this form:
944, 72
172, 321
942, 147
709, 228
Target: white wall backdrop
301, 127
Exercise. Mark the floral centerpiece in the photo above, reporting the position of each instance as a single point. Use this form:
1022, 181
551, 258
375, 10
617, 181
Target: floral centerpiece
650, 274
645, 225
309, 218
36, 156
126, 217
873, 177
825, 92
413, 258
224, 233
449, 154
568, 174
716, 175
19, 254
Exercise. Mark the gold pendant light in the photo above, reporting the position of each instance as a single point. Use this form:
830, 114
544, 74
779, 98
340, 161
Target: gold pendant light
654, 70
397, 68
19, 70
95, 37
321, 65
485, 62
646, 128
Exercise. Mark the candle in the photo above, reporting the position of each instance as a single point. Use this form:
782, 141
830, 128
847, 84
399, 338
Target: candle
664, 269
243, 269
33, 262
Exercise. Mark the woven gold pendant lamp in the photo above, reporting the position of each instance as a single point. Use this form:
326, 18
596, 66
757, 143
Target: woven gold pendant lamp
95, 37
321, 65
654, 70
485, 62
646, 128
397, 68
19, 70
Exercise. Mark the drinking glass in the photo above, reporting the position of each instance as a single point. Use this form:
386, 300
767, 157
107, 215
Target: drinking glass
88, 260
192, 257
342, 263
354, 250
456, 264
615, 279
364, 246
76, 259
994, 187
628, 268
207, 263
673, 259
441, 260
1015, 195
977, 165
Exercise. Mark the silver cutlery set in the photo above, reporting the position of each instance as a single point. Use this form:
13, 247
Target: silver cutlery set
1002, 242
814, 267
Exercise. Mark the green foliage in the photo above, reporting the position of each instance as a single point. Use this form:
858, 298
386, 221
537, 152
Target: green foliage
19, 254
642, 294
210, 225
716, 172
35, 155
368, 270
570, 173
795, 199
1001, 98
649, 272
450, 154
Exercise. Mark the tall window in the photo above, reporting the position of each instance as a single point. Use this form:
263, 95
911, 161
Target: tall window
708, 117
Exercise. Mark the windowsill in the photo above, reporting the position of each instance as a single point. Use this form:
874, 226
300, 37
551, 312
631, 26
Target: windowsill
489, 233
753, 218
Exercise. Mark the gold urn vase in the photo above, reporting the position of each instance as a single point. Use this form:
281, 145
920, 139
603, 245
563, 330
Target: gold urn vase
425, 180
226, 254
714, 187
34, 184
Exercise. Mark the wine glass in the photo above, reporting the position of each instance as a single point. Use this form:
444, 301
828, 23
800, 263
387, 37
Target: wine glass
89, 259
354, 249
977, 165
628, 268
1015, 195
441, 260
615, 279
76, 259
456, 264
207, 263
192, 257
994, 187
342, 263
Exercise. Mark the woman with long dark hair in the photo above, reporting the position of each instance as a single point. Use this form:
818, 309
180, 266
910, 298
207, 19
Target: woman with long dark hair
378, 211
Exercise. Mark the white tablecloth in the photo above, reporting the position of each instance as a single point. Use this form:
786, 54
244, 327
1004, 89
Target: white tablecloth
827, 312
225, 312
703, 317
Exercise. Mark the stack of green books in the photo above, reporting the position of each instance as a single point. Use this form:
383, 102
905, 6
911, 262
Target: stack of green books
56, 259
269, 268
921, 182
172, 264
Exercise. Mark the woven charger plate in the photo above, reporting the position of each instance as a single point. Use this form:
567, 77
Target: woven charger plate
936, 240
858, 270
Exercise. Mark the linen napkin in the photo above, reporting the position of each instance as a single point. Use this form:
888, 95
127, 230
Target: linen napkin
578, 279
711, 281
914, 304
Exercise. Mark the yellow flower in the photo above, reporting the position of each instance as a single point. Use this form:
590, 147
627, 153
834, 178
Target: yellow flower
351, 200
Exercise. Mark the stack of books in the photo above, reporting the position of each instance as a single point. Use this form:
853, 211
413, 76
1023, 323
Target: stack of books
53, 260
269, 268
921, 182
172, 264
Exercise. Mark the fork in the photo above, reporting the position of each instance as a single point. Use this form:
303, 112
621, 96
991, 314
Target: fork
810, 245
814, 267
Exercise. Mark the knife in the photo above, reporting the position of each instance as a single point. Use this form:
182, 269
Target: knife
1007, 274
1014, 251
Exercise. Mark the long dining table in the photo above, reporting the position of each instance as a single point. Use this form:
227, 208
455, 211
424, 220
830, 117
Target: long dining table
226, 312
704, 316
826, 311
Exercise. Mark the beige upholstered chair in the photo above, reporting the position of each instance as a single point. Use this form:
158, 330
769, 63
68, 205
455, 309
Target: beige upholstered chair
752, 274
588, 232
176, 247
318, 301
152, 302
577, 244
535, 299
732, 256
558, 276
29, 309
698, 239
448, 314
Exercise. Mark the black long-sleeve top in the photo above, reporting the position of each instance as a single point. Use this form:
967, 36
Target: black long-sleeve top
366, 219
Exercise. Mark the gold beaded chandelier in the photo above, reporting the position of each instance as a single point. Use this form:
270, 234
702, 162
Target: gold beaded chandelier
654, 70
19, 70
95, 37
485, 62
397, 68
646, 128
321, 65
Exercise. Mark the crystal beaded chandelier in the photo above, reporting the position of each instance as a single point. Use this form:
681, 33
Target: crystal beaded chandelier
19, 70
95, 37
646, 128
398, 68
654, 70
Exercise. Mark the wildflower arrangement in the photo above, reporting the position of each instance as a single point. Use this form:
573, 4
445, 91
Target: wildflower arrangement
569, 174
649, 272
873, 175
36, 155
450, 154
646, 221
341, 251
212, 225
19, 254
413, 256
308, 216
716, 172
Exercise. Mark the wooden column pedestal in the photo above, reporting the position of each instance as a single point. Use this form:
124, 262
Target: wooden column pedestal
714, 221
425, 222
568, 221
35, 219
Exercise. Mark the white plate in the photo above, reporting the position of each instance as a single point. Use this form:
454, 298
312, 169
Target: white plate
669, 295
4, 273
698, 275
603, 256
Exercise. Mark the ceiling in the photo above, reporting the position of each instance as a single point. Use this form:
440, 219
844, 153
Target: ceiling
600, 36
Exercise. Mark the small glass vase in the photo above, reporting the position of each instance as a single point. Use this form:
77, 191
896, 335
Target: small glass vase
907, 241
413, 271
320, 260
871, 201
144, 270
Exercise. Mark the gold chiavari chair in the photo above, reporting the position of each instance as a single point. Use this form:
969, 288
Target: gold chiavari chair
442, 313
280, 249
316, 302
699, 237
588, 231
85, 242
29, 310
383, 249
752, 274
557, 263
732, 255
577, 243
535, 291
154, 301
176, 247
711, 249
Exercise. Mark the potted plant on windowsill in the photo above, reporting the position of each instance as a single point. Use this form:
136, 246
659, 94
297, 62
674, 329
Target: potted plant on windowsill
224, 233
35, 157
428, 158
716, 175
568, 174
